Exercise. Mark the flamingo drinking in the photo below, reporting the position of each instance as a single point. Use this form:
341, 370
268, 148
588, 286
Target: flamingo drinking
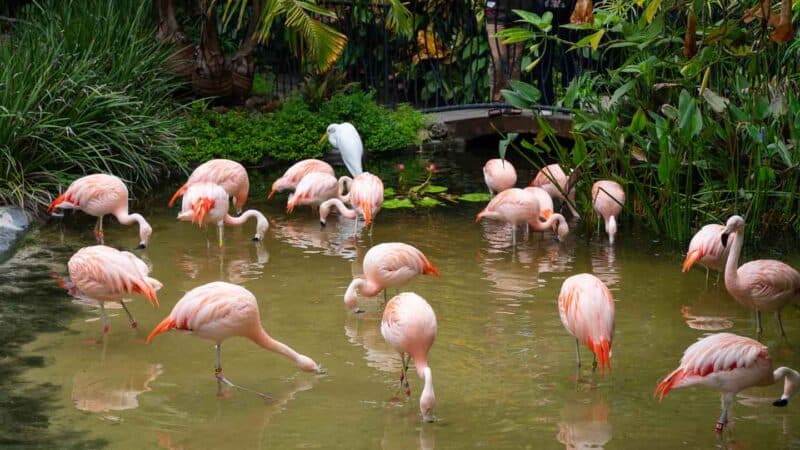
231, 175
499, 175
607, 200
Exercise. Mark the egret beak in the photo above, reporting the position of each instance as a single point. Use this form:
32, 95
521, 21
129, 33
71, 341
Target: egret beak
322, 139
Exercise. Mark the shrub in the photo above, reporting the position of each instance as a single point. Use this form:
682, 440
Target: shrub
83, 89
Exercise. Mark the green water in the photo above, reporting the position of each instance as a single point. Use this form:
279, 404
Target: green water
503, 366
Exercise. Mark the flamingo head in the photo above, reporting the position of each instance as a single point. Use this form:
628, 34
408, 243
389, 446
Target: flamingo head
791, 384
307, 364
560, 226
428, 399
144, 235
734, 225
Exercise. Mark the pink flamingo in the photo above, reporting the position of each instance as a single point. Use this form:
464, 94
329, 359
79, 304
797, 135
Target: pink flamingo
231, 175
366, 196
409, 325
730, 363
209, 200
219, 310
515, 206
98, 195
553, 180
607, 200
294, 174
763, 284
586, 308
707, 249
105, 274
388, 265
551, 220
314, 189
499, 175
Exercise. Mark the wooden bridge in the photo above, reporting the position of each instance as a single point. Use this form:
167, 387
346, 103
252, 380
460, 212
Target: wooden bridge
475, 122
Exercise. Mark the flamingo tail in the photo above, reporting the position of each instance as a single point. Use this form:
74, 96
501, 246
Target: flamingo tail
60, 199
668, 383
177, 194
294, 201
547, 213
691, 258
146, 290
429, 269
365, 206
201, 207
167, 324
603, 351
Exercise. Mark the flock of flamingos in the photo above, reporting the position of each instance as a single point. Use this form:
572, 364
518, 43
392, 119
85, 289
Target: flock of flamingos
219, 310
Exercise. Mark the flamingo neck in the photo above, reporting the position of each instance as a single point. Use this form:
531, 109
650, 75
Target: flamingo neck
325, 208
128, 219
428, 398
262, 225
791, 381
351, 295
344, 185
732, 264
611, 228
266, 341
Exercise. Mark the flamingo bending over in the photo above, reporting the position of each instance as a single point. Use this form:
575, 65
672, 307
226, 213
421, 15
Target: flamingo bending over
763, 284
208, 200
231, 175
105, 274
551, 220
314, 189
586, 307
499, 175
294, 174
387, 265
730, 363
98, 195
365, 195
707, 249
219, 310
517, 206
409, 326
553, 180
344, 138
607, 200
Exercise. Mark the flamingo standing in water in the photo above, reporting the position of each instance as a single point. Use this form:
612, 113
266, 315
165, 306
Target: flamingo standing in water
763, 284
203, 201
707, 249
231, 175
499, 175
344, 138
409, 325
387, 265
553, 180
314, 189
551, 220
365, 195
98, 195
515, 206
730, 363
105, 274
607, 200
586, 308
219, 310
294, 174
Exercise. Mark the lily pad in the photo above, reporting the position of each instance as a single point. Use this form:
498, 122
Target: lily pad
389, 192
475, 197
429, 202
434, 189
397, 203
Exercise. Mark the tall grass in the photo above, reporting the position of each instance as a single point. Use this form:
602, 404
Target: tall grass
83, 89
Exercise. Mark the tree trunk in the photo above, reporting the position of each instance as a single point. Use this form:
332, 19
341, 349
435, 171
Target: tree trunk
182, 61
211, 76
241, 65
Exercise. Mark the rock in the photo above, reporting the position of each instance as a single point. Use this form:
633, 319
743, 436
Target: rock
14, 223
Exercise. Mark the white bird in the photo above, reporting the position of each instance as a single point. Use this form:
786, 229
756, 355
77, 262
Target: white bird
344, 138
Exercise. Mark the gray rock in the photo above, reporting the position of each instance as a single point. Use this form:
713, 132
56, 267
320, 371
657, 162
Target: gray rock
14, 223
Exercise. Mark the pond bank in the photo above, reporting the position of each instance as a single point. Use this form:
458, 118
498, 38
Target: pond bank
14, 224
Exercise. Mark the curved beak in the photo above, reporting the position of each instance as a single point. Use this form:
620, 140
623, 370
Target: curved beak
322, 139
141, 246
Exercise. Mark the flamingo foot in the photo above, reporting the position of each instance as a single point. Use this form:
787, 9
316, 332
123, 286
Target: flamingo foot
134, 325
408, 391
222, 380
719, 427
105, 329
358, 311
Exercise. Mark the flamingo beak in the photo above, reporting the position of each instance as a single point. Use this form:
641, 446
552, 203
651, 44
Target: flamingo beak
141, 246
323, 138
724, 239
781, 402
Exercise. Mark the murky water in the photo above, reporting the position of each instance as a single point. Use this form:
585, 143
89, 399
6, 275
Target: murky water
503, 366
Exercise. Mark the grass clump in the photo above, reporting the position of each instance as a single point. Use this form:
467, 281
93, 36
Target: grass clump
293, 132
83, 89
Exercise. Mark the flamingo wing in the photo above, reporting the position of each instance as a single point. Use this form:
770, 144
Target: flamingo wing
769, 279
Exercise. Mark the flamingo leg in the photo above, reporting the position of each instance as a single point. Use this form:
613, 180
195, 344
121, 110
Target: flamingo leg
578, 353
355, 226
780, 323
220, 233
384, 296
727, 399
594, 362
134, 325
513, 236
706, 277
405, 375
758, 323
103, 317
98, 231
222, 380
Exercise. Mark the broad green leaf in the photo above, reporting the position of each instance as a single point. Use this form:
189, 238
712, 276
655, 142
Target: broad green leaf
429, 202
514, 35
514, 99
638, 122
690, 120
717, 102
502, 146
475, 197
397, 203
622, 90
592, 40
527, 91
388, 192
434, 189
761, 107
651, 10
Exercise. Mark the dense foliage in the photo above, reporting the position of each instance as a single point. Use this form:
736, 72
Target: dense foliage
83, 89
693, 108
293, 132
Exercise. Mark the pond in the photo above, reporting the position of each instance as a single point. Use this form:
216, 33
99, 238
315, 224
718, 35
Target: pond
503, 365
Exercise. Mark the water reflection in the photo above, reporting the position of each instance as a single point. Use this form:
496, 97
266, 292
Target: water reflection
584, 425
336, 239
405, 431
113, 384
605, 265
365, 330
705, 323
234, 263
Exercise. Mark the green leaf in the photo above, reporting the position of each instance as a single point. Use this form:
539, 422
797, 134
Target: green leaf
429, 202
592, 40
502, 146
527, 91
475, 197
761, 107
396, 203
717, 102
638, 122
690, 120
514, 99
515, 35
434, 189
622, 90
388, 192
651, 10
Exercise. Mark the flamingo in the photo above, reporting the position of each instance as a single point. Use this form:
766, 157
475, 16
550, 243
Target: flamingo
105, 274
586, 308
551, 220
707, 249
210, 200
314, 189
366, 196
294, 174
231, 175
391, 264
607, 200
219, 310
553, 180
730, 363
98, 195
409, 325
763, 284
344, 138
514, 206
499, 175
